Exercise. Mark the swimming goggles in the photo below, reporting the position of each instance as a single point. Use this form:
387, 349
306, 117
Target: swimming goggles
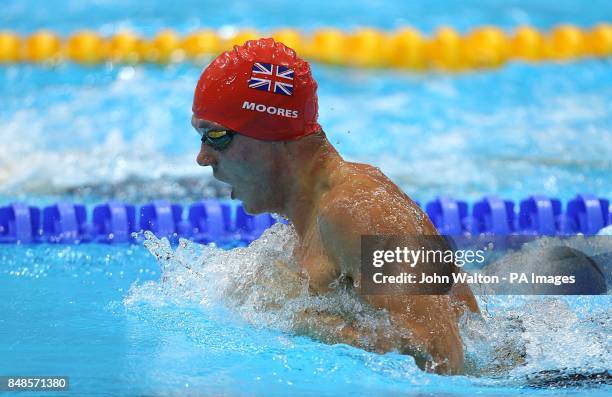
217, 139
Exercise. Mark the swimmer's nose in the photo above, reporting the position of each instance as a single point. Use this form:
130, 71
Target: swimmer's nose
206, 156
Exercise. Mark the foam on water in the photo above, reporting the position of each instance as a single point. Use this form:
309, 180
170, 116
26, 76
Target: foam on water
262, 284
517, 337
514, 338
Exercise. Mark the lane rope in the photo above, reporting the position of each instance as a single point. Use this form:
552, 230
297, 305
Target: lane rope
220, 222
405, 48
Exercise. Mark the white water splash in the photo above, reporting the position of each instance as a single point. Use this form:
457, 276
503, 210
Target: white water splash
262, 284
515, 336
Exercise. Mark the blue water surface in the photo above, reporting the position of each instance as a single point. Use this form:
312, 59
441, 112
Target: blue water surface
64, 312
111, 131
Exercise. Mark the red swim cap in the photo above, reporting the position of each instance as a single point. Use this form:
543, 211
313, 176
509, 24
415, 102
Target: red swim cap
261, 89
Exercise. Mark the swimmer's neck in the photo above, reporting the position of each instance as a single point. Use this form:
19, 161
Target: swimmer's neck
306, 179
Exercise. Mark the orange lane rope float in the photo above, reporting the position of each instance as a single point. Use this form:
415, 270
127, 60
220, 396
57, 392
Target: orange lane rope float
405, 48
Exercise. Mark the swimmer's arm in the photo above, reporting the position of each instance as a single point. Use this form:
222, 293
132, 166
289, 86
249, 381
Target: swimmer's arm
327, 327
342, 224
332, 329
341, 234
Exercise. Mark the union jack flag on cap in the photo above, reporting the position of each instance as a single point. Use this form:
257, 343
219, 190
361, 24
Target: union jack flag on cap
273, 78
262, 89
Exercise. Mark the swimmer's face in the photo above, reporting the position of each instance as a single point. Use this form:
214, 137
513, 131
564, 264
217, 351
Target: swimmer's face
248, 165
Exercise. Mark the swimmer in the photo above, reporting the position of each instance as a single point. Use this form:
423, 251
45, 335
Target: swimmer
255, 109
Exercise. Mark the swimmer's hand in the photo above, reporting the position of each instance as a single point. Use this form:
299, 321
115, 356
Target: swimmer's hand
297, 275
327, 327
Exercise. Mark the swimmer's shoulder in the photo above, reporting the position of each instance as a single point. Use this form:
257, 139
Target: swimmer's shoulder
352, 174
363, 196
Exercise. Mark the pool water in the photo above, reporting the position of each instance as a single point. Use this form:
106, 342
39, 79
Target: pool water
198, 319
113, 131
157, 320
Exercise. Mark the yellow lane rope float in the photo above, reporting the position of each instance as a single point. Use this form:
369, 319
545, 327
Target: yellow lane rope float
405, 48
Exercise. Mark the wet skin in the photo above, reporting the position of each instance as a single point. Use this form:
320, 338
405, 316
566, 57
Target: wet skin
332, 203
